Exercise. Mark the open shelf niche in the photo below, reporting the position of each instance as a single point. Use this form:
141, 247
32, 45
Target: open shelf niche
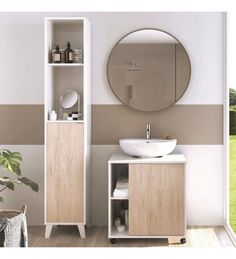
60, 77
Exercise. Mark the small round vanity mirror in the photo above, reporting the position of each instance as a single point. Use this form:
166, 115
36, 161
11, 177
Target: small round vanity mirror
148, 70
69, 99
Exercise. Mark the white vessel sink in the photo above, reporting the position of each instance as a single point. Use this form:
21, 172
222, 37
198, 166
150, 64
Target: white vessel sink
147, 148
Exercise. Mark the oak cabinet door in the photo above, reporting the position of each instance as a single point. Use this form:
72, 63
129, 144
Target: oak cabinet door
156, 199
65, 172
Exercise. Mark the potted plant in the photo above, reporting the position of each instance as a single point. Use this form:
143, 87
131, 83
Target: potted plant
11, 161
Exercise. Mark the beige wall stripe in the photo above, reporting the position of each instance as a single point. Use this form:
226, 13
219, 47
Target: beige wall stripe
190, 124
21, 124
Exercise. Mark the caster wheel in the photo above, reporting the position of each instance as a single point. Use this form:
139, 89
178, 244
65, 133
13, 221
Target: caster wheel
113, 241
183, 240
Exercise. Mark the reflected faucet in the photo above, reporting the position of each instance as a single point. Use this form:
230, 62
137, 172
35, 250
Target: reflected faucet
148, 131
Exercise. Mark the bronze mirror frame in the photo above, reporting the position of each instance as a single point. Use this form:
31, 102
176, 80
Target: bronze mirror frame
109, 58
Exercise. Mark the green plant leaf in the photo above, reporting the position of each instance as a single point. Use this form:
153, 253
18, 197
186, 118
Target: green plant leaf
5, 181
17, 182
6, 178
16, 156
10, 161
34, 186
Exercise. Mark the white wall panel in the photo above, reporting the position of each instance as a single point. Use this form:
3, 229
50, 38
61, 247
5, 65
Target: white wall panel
200, 33
21, 82
21, 43
21, 59
205, 183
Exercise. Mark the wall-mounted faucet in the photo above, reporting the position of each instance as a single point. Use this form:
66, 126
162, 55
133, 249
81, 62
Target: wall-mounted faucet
148, 131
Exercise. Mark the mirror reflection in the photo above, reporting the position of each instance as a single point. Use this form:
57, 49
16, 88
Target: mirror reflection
70, 106
148, 70
69, 99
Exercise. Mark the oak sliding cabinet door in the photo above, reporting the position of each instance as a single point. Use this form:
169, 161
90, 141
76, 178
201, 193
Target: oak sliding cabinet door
156, 199
65, 172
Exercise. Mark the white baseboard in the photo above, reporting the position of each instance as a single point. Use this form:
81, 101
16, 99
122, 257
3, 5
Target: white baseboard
231, 234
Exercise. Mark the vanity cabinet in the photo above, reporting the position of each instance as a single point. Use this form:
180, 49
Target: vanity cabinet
156, 200
67, 142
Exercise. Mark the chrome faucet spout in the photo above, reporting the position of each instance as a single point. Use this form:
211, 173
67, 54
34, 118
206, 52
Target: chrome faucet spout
148, 131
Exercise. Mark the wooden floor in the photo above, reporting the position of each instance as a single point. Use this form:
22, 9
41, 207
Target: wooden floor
67, 236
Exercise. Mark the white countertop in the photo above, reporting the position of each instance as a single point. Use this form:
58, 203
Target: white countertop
120, 158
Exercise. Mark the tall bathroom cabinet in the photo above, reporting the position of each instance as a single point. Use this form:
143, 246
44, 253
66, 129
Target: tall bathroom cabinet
67, 143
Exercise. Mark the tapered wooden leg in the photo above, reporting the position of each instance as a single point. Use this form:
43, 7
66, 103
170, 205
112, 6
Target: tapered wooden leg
48, 231
82, 230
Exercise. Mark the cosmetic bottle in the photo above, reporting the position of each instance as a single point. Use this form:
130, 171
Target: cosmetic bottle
69, 118
68, 54
78, 56
53, 116
57, 55
75, 115
117, 222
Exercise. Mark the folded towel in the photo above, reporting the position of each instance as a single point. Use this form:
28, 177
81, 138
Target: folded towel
122, 183
123, 193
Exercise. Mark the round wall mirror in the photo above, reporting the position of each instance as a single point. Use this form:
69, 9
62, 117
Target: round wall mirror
148, 70
69, 99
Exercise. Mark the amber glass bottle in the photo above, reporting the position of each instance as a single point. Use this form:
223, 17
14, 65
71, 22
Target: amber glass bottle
57, 55
68, 54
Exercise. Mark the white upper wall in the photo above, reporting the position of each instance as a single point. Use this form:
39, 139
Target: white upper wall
200, 33
21, 66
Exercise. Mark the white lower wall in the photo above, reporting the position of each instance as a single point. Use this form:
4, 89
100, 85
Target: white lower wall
205, 183
33, 168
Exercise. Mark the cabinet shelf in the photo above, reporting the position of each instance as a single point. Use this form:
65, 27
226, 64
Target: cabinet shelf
119, 198
65, 64
66, 121
115, 233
